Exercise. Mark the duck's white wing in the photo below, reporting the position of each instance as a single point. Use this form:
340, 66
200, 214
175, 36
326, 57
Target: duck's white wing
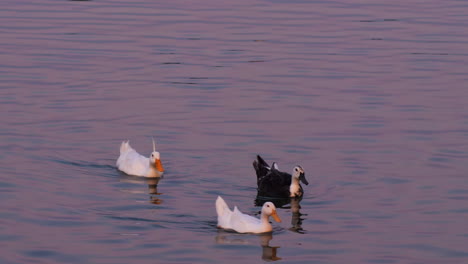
237, 221
243, 223
224, 213
131, 162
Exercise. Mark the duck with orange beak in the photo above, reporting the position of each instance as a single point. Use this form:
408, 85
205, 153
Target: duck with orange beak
132, 163
243, 223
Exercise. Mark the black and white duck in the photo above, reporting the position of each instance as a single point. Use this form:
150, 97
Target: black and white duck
272, 182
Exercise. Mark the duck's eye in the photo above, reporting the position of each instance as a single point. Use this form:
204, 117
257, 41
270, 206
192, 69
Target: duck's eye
295, 169
268, 205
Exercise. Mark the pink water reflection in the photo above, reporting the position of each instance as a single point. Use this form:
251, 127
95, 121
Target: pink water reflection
368, 97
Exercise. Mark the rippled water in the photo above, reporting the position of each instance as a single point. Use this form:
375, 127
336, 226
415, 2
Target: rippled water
369, 97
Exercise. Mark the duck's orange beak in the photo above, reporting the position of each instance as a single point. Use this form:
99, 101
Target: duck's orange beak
275, 216
159, 165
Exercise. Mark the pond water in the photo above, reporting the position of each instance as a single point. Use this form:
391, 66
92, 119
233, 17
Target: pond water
369, 97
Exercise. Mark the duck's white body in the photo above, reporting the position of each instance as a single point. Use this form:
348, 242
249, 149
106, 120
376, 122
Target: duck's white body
132, 163
242, 223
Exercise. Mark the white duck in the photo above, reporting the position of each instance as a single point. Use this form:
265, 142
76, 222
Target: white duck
242, 223
135, 164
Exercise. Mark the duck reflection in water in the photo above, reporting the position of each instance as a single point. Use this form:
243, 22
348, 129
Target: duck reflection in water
153, 190
269, 253
296, 220
152, 186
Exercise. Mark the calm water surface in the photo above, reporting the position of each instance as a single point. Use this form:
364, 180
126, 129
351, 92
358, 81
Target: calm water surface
369, 97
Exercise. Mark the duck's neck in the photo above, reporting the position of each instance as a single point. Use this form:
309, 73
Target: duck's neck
152, 171
266, 226
295, 188
264, 219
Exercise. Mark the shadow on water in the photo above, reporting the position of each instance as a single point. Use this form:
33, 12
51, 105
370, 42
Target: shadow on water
153, 190
278, 202
269, 253
296, 220
154, 195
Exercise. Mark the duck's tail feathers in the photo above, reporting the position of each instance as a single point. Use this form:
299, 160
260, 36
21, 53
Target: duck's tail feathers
274, 166
125, 146
262, 162
221, 206
261, 167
